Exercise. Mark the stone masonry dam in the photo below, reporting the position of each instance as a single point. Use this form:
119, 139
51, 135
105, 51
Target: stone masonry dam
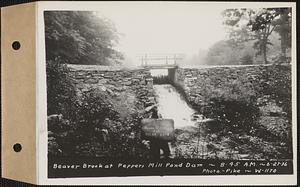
197, 84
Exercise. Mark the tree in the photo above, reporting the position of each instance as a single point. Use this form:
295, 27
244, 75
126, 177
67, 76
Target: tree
247, 59
80, 37
284, 29
236, 21
229, 53
60, 88
258, 25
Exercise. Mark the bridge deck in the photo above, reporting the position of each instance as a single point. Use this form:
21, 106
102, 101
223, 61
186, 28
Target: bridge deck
161, 66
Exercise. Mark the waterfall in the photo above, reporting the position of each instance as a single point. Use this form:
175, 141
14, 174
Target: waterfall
172, 105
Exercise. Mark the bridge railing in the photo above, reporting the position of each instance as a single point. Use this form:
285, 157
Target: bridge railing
160, 59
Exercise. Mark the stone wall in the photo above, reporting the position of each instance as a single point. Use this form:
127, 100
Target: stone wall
198, 84
267, 87
134, 86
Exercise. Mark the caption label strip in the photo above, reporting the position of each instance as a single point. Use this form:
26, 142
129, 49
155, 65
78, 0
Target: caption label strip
87, 167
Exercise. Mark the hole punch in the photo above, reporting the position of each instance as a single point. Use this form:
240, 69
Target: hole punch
16, 45
17, 147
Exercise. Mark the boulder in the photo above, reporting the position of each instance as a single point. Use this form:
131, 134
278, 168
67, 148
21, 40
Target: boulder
103, 88
210, 125
127, 83
109, 91
102, 81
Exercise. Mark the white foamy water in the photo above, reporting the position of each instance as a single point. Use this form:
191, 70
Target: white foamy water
171, 105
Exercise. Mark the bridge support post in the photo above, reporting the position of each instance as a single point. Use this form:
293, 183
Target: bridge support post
175, 59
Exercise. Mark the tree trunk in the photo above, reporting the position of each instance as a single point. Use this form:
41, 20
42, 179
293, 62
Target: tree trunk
265, 53
283, 34
283, 47
264, 45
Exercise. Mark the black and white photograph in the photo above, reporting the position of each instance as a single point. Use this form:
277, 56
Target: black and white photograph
172, 85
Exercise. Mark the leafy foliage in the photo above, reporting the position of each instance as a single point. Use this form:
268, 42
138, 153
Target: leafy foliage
80, 37
229, 53
280, 89
258, 24
247, 59
92, 123
233, 107
236, 115
93, 108
96, 130
60, 88
221, 53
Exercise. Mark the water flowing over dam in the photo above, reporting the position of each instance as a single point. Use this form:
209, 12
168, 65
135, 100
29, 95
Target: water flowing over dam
172, 105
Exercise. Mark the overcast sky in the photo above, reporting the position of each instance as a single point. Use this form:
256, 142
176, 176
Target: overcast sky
165, 27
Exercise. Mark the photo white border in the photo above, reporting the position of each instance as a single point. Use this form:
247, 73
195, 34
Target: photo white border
41, 108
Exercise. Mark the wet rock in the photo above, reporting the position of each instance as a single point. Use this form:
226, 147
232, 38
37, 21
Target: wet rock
91, 81
244, 156
110, 92
190, 129
102, 81
152, 99
127, 83
147, 109
79, 76
103, 88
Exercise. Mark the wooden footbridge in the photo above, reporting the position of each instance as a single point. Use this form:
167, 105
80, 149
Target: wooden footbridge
160, 61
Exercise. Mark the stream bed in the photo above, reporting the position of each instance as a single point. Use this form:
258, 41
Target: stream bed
171, 105
193, 138
190, 138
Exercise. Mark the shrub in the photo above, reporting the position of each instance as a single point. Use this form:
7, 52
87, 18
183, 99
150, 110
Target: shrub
233, 107
84, 116
280, 88
235, 115
247, 59
81, 135
93, 108
60, 89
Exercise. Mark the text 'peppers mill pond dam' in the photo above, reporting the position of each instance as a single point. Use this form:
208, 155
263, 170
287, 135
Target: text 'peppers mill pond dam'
179, 93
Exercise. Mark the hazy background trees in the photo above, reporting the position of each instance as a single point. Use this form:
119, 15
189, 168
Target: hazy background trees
255, 36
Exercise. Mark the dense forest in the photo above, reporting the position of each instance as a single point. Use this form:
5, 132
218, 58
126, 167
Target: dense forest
75, 37
81, 37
